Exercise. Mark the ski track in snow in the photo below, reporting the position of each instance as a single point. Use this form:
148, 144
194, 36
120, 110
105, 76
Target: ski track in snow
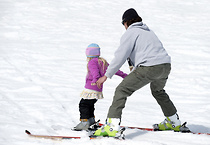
43, 68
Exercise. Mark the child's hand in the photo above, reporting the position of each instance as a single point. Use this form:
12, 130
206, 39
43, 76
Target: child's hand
93, 84
101, 81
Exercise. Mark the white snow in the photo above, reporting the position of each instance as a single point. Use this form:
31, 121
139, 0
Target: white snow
43, 68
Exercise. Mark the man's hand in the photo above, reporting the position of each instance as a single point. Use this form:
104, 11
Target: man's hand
131, 68
101, 81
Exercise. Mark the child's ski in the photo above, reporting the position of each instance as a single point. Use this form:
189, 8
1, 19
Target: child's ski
70, 137
51, 136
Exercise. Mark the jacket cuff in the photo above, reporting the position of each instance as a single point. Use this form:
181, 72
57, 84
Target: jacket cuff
108, 75
124, 75
94, 81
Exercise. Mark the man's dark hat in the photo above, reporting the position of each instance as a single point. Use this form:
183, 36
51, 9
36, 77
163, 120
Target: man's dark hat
129, 15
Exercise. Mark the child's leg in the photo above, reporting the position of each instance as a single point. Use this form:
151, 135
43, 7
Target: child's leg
84, 109
84, 115
92, 107
91, 111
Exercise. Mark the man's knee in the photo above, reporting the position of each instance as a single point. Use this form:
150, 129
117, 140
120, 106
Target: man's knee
160, 95
124, 91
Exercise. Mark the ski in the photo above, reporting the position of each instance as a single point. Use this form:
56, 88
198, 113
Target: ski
155, 129
121, 137
140, 128
50, 136
101, 137
69, 137
183, 129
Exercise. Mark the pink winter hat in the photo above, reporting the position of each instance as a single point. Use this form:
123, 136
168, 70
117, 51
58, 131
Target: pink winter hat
93, 50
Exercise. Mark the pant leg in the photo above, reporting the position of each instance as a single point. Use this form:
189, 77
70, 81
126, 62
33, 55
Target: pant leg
134, 81
158, 92
156, 75
92, 107
84, 109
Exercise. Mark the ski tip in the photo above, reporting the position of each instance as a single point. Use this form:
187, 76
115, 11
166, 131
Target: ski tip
26, 131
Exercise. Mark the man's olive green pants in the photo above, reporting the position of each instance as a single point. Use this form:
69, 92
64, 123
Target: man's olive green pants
156, 76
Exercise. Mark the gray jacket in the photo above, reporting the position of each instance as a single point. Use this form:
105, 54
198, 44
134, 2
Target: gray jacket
141, 45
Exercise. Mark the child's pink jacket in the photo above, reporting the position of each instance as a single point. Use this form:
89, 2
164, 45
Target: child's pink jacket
95, 72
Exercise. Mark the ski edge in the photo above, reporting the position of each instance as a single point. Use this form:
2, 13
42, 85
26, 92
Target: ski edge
51, 136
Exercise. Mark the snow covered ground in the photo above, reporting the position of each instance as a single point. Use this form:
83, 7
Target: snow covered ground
43, 68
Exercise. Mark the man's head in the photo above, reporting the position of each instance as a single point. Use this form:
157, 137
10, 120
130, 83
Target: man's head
130, 16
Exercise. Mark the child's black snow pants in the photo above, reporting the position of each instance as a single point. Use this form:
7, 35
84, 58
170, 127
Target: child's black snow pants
86, 108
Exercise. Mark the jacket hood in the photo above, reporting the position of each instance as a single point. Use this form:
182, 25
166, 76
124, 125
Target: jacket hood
140, 25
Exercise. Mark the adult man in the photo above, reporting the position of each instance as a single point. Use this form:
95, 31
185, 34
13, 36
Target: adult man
152, 65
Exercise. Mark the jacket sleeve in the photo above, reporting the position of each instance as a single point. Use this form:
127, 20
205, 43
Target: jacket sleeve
122, 53
94, 70
121, 74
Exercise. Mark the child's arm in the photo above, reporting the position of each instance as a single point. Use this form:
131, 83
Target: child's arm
121, 73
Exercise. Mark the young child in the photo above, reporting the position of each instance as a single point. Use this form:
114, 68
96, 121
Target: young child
96, 68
